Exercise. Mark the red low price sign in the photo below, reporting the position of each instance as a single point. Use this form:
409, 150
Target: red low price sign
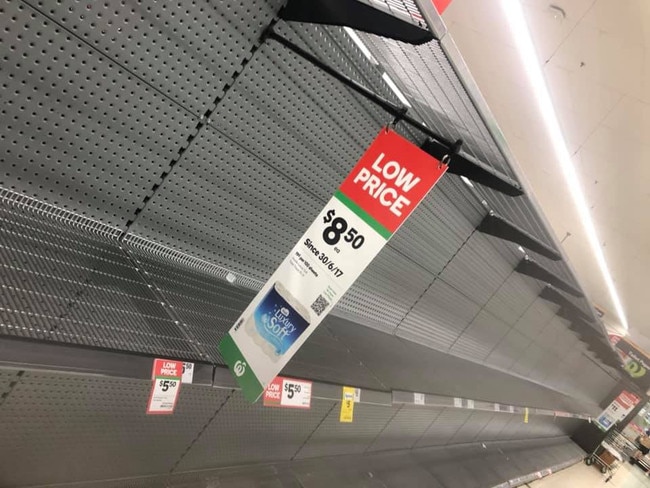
166, 375
288, 393
391, 179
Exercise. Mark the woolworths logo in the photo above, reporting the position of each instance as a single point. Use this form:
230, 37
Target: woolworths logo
635, 369
239, 368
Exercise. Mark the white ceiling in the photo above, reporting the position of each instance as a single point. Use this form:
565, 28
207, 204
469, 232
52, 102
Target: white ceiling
596, 67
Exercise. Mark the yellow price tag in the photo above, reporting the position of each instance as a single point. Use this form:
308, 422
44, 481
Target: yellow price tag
526, 415
347, 404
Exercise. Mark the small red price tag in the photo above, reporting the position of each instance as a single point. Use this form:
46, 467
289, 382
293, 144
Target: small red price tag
288, 393
166, 375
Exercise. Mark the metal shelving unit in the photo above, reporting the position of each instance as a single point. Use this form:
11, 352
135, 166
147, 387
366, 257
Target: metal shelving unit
158, 161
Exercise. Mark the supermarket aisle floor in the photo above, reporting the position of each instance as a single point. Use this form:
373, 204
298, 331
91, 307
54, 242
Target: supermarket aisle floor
583, 476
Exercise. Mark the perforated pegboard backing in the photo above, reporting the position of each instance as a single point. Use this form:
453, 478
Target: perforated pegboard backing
245, 433
440, 99
296, 170
104, 302
78, 130
211, 207
88, 284
67, 285
175, 120
187, 51
205, 306
325, 358
265, 93
272, 137
439, 317
51, 421
62, 428
405, 428
424, 468
399, 362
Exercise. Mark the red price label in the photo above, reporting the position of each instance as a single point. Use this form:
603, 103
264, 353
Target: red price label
288, 393
166, 375
391, 179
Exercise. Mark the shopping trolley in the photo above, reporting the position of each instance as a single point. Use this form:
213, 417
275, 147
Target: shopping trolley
610, 453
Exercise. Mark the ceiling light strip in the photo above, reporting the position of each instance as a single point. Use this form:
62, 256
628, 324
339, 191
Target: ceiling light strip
398, 93
362, 47
523, 41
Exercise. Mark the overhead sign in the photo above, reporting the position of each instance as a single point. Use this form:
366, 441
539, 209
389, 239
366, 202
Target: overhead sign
289, 393
379, 194
347, 405
166, 386
622, 405
637, 363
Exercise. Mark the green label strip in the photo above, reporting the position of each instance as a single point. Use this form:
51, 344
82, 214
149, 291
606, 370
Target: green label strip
363, 215
241, 370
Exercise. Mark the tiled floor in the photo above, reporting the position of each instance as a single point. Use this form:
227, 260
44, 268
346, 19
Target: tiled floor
583, 476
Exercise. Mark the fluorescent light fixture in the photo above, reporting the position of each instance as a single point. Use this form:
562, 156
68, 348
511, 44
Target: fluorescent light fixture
366, 52
396, 90
524, 43
357, 40
467, 182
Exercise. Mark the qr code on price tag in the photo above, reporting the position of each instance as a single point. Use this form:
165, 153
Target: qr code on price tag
319, 305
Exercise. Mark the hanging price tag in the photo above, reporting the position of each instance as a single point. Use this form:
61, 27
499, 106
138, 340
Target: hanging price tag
419, 398
526, 415
347, 405
375, 199
166, 386
289, 393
